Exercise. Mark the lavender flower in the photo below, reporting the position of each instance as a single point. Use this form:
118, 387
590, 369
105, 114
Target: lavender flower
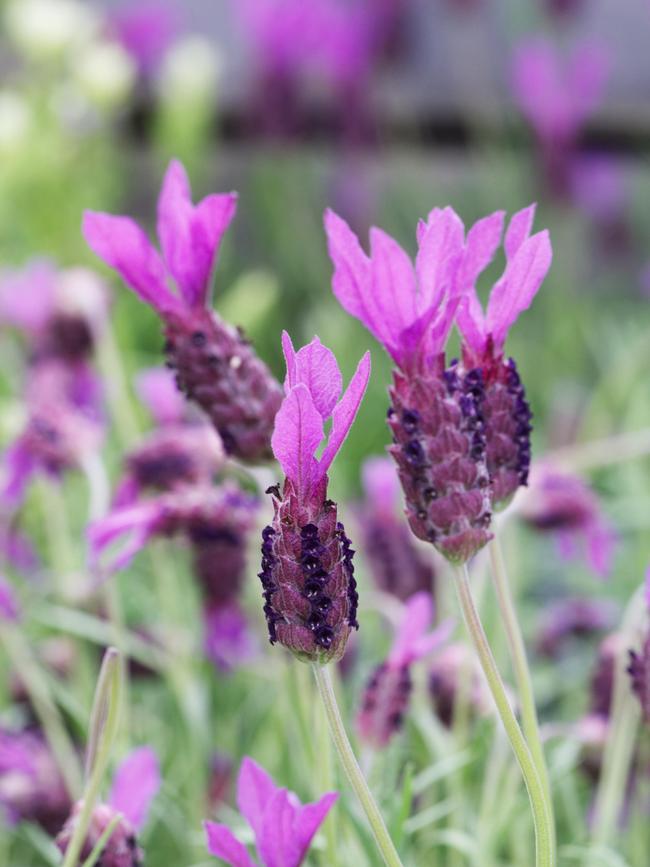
575, 617
556, 97
283, 827
397, 564
639, 667
146, 31
215, 366
31, 787
307, 571
563, 504
135, 785
387, 693
448, 674
505, 411
435, 415
9, 609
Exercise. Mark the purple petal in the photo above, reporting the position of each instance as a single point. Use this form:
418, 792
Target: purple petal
380, 482
19, 466
309, 819
290, 361
137, 521
440, 242
123, 245
519, 230
156, 387
517, 288
586, 79
223, 844
344, 413
483, 240
393, 285
277, 843
255, 790
297, 434
316, 367
600, 540
190, 236
28, 296
426, 644
135, 785
416, 619
9, 610
471, 322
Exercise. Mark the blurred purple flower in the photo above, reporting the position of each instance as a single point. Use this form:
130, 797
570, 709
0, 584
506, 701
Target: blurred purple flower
135, 785
17, 549
598, 189
557, 95
228, 639
387, 693
435, 415
575, 617
9, 608
307, 571
146, 30
214, 363
31, 787
563, 504
156, 388
505, 411
283, 827
639, 665
452, 670
398, 566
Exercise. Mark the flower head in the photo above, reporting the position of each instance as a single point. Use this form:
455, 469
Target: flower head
214, 363
135, 785
156, 388
575, 617
146, 32
307, 572
283, 827
387, 693
455, 672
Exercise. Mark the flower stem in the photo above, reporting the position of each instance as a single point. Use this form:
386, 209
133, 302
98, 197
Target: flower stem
529, 720
351, 767
544, 837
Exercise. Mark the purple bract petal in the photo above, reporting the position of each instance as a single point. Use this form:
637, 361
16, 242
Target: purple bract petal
308, 820
297, 434
277, 844
136, 783
9, 610
519, 229
222, 843
157, 388
315, 366
344, 413
255, 790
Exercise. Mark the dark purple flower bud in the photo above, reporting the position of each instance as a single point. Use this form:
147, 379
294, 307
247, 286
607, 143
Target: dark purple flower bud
602, 681
384, 704
397, 564
639, 671
307, 572
122, 848
31, 787
220, 780
572, 618
215, 365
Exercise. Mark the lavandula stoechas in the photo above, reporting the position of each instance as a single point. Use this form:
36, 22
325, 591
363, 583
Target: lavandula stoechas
639, 666
505, 410
215, 365
436, 414
387, 693
307, 573
396, 561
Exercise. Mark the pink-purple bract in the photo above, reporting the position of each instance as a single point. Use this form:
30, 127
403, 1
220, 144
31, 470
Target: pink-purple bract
283, 827
639, 665
9, 608
307, 572
387, 693
215, 365
147, 30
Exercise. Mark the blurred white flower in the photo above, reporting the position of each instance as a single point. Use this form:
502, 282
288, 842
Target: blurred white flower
47, 29
105, 74
191, 70
15, 120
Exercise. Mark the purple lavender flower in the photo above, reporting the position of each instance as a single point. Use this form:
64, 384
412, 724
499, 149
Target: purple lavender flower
602, 680
396, 563
9, 608
575, 617
448, 673
146, 31
135, 785
556, 97
228, 641
31, 787
387, 693
215, 365
64, 424
561, 503
307, 571
505, 411
435, 415
283, 827
639, 667
60, 312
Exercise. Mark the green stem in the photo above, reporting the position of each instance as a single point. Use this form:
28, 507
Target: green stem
544, 843
523, 679
623, 727
47, 712
351, 767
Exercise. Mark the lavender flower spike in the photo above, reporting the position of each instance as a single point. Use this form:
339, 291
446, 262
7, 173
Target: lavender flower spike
307, 572
388, 691
639, 667
435, 414
283, 827
215, 366
506, 414
135, 785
